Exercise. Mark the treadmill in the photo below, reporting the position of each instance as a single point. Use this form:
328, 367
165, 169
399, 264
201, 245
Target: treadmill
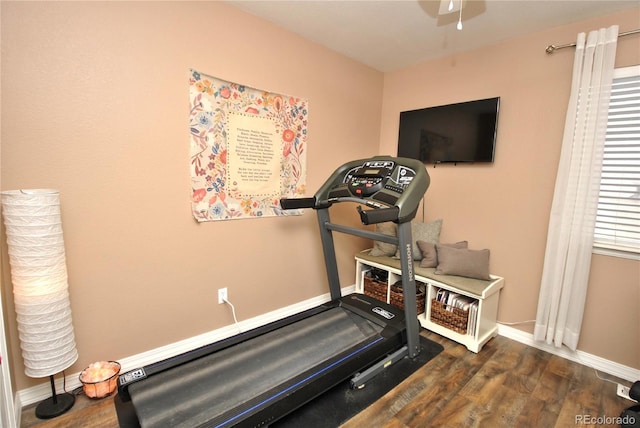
256, 377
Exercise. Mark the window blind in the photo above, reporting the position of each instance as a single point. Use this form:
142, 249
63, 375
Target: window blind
618, 215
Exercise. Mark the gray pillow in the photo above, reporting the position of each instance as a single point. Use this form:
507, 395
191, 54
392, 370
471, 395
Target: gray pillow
463, 262
430, 255
427, 232
383, 248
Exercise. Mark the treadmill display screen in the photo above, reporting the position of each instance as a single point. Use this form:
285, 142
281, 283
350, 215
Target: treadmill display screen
374, 176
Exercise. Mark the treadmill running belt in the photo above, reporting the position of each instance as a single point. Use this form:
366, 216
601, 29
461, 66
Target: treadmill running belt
202, 390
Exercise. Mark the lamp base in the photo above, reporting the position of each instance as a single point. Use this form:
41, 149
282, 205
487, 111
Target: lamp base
55, 406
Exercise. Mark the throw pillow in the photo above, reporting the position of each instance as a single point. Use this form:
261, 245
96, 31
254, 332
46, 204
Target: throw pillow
383, 248
427, 232
430, 255
463, 262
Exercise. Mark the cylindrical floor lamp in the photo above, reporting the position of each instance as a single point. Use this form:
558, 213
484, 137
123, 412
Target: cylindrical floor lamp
40, 289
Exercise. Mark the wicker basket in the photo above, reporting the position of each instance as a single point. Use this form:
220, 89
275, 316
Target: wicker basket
378, 290
375, 288
450, 317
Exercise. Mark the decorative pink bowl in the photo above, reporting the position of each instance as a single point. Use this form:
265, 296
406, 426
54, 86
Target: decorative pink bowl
100, 379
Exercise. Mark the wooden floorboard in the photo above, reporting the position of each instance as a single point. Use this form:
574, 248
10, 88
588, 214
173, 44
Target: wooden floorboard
507, 384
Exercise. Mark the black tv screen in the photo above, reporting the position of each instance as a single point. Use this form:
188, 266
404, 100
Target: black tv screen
461, 132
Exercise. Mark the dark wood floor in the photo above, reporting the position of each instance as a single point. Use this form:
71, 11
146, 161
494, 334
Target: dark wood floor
507, 384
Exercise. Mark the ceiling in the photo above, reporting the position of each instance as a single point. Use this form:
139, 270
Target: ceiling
392, 34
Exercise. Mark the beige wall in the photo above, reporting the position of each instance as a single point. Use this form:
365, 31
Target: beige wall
95, 103
505, 206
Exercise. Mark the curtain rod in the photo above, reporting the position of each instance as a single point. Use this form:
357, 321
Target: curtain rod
552, 48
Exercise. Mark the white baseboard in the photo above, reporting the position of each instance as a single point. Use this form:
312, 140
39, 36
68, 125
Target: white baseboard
40, 392
590, 360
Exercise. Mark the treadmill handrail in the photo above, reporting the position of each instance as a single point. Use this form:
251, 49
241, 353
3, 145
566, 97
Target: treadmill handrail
379, 216
312, 202
380, 213
369, 203
297, 203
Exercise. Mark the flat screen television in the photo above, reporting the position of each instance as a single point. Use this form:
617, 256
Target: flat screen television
461, 132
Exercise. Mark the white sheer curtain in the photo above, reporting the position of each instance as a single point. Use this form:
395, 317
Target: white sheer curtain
567, 258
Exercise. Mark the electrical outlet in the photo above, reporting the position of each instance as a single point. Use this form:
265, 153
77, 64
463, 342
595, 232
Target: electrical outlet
222, 296
623, 391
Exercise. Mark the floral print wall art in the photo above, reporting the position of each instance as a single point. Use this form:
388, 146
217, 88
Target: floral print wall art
248, 149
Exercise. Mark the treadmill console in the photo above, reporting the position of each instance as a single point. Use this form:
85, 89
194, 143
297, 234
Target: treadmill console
373, 176
392, 186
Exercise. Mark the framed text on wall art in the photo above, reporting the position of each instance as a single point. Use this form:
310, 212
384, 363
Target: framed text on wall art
248, 149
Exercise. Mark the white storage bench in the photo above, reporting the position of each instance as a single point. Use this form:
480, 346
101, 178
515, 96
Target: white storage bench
459, 308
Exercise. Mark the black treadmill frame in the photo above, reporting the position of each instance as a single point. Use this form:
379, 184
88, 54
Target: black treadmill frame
402, 211
385, 351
